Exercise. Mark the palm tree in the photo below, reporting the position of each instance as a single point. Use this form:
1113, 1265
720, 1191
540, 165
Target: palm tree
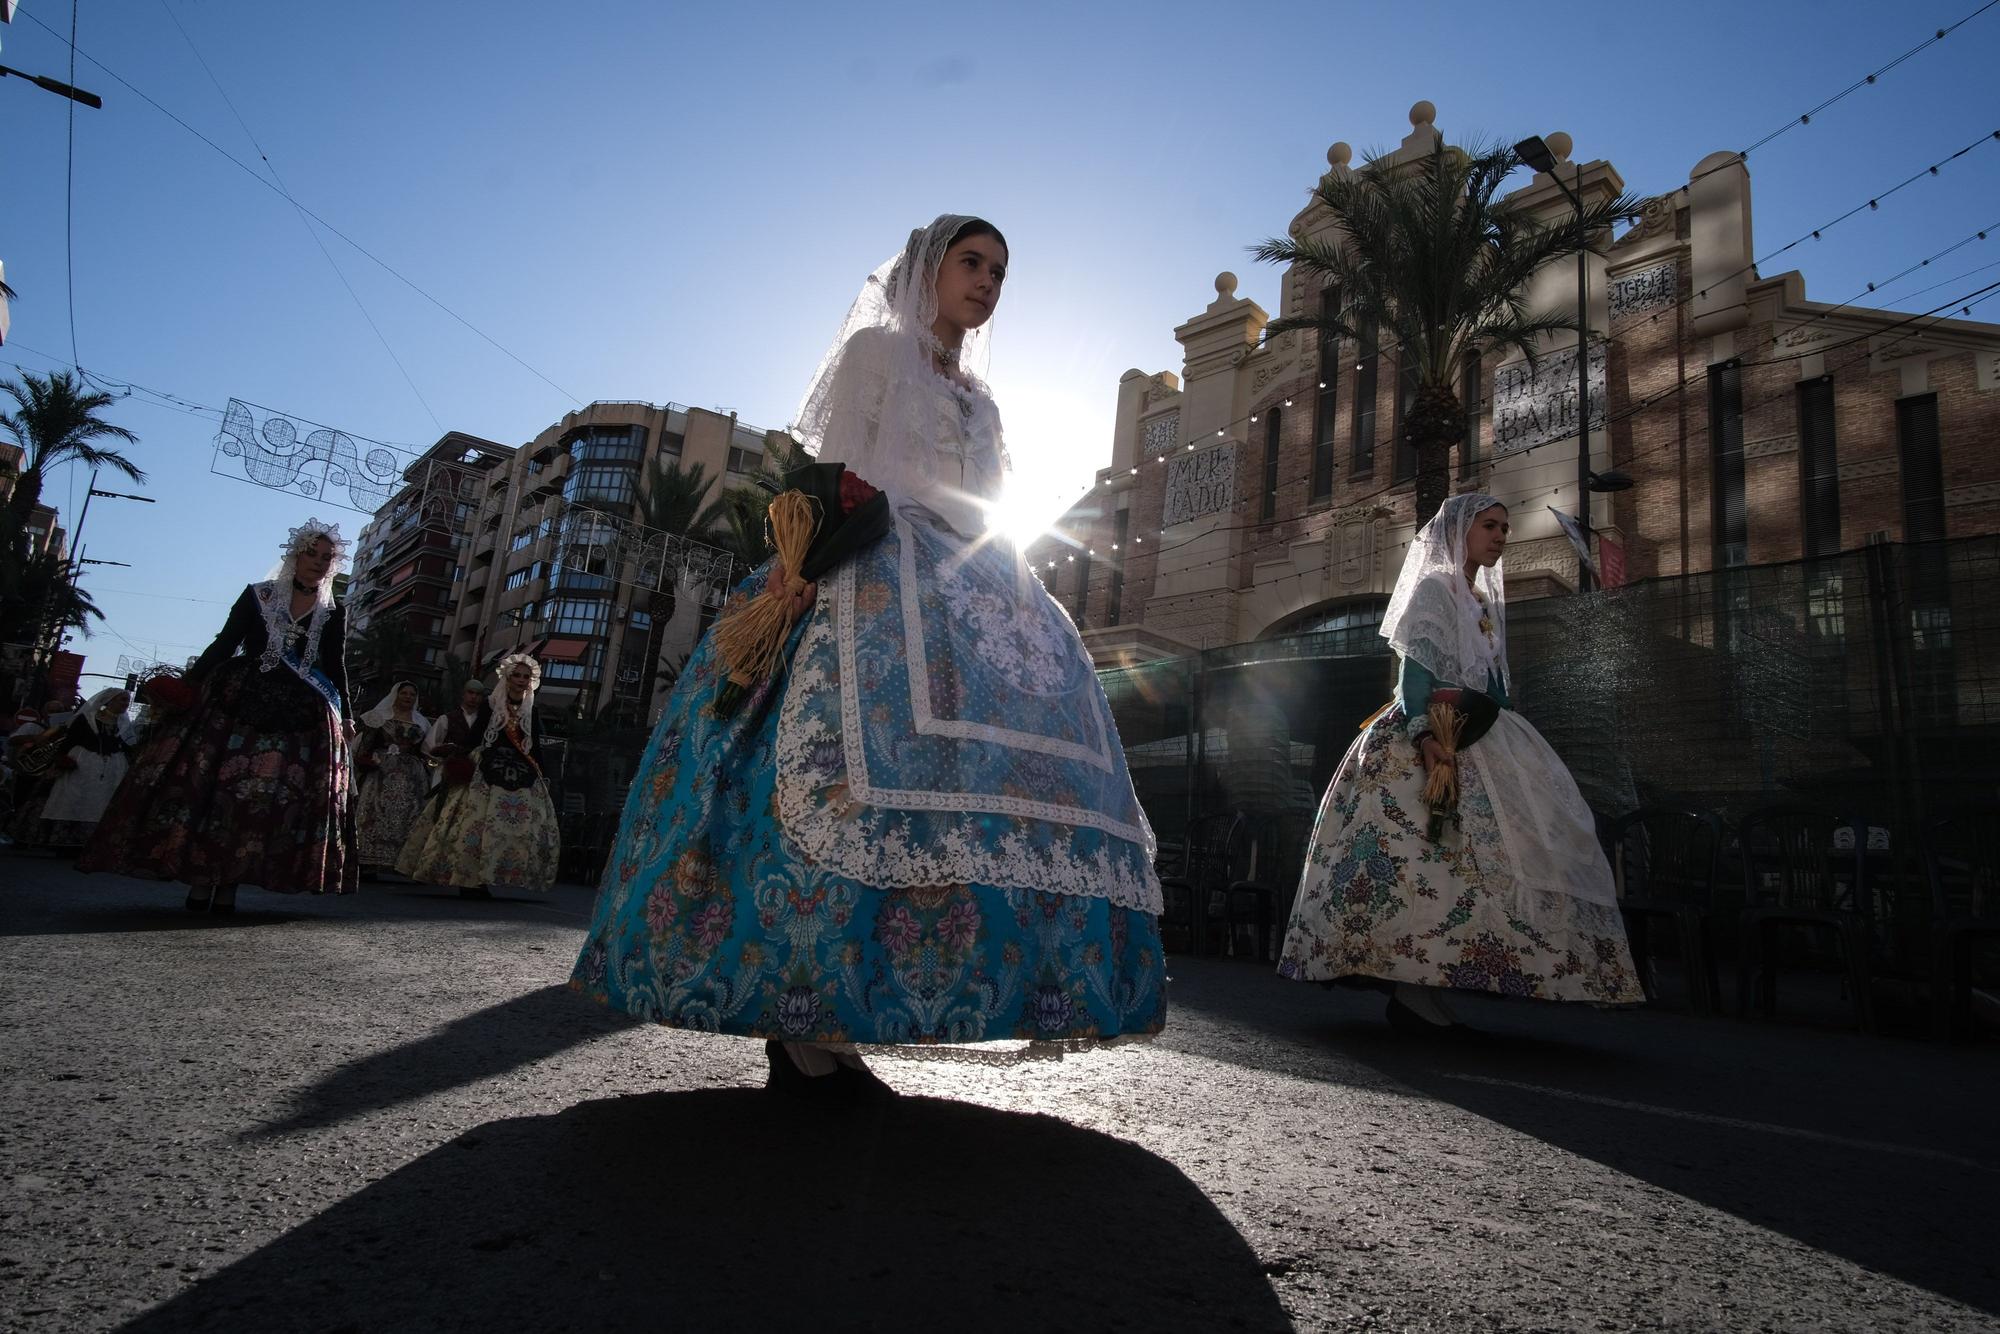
383, 653
678, 501
745, 503
40, 599
1428, 258
56, 422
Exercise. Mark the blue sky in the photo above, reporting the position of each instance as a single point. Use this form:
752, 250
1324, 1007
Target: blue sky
676, 202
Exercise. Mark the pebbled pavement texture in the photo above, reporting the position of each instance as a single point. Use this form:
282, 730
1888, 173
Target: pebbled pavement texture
386, 1112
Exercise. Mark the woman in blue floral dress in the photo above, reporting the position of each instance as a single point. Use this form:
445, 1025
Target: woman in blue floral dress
919, 832
1514, 896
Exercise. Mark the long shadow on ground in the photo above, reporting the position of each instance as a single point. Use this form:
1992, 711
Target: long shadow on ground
1904, 1197
111, 904
726, 1210
1879, 1151
480, 1046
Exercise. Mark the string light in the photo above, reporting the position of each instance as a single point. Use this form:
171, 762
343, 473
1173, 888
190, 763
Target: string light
1980, 295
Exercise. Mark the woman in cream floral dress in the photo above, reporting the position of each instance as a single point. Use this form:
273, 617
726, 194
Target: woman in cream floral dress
1514, 898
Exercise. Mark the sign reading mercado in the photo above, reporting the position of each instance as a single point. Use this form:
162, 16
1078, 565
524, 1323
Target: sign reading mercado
1533, 408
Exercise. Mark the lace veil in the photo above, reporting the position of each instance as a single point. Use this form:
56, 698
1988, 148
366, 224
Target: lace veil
385, 709
122, 724
274, 595
1432, 619
503, 707
879, 404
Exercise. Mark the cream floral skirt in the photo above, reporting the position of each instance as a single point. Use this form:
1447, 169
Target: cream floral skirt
1515, 898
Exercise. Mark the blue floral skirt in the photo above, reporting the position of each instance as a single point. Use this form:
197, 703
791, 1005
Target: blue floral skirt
710, 918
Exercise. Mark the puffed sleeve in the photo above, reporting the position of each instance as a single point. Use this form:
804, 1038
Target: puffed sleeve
333, 655
243, 616
1414, 684
847, 412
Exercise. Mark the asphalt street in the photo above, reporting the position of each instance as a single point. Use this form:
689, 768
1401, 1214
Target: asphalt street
387, 1112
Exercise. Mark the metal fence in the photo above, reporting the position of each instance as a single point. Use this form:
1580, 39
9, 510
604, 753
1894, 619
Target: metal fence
1866, 683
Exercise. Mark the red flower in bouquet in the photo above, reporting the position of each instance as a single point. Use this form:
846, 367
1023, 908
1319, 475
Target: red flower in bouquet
167, 693
854, 492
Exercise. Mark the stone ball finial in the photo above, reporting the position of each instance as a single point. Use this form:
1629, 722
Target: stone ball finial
1225, 286
1560, 144
1422, 114
1339, 155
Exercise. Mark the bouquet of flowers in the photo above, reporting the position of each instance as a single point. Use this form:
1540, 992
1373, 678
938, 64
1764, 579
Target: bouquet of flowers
1457, 718
165, 689
823, 517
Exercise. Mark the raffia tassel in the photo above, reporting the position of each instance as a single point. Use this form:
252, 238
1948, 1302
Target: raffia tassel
752, 635
1441, 785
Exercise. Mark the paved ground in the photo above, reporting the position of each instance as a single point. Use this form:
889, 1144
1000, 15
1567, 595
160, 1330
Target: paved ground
386, 1113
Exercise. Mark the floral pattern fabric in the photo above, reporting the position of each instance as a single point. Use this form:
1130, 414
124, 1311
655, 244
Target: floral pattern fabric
710, 916
250, 787
1379, 899
394, 785
484, 835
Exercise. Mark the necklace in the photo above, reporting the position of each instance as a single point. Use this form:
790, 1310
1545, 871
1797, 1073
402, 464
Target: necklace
1485, 616
298, 587
945, 358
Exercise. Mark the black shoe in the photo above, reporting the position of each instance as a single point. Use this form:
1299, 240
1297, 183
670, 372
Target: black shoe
198, 898
1410, 1024
860, 1085
224, 902
845, 1087
786, 1079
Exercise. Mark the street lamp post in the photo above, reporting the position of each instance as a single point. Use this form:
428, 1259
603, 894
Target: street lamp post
1537, 154
53, 635
57, 87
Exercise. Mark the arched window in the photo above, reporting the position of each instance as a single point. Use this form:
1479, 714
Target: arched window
1351, 623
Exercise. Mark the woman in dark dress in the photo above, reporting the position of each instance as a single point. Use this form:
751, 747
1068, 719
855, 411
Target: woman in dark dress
251, 786
393, 777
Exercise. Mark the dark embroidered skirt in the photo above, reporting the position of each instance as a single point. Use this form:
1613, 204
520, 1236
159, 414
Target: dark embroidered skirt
251, 787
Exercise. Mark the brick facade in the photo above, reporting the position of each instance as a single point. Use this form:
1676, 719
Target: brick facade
1673, 297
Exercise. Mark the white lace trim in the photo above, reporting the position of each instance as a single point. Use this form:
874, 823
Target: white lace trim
1000, 1052
882, 852
278, 624
856, 752
920, 698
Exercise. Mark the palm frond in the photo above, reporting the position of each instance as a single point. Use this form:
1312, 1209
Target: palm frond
1427, 258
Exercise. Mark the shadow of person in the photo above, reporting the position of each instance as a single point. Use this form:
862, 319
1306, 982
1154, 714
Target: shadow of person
726, 1209
481, 1045
87, 917
1898, 1194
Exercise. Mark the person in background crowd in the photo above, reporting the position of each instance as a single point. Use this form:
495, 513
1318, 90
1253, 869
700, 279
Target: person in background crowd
31, 750
394, 776
448, 746
91, 760
499, 827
